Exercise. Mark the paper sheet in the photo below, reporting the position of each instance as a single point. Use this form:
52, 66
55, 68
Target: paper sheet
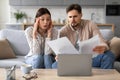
62, 46
88, 45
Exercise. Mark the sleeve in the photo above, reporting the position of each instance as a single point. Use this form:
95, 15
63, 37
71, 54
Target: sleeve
34, 44
95, 31
62, 32
48, 50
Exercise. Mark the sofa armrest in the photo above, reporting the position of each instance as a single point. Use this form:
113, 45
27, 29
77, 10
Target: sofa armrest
117, 66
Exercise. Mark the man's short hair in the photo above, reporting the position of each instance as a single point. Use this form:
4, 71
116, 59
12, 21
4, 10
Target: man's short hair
74, 7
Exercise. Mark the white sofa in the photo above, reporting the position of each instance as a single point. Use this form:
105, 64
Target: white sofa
20, 46
18, 42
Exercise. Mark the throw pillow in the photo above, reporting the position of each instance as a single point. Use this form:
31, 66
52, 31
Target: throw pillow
5, 50
115, 46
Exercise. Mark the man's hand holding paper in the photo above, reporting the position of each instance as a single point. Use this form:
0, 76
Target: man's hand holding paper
90, 46
99, 49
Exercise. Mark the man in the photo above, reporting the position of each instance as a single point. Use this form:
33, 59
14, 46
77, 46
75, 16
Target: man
80, 29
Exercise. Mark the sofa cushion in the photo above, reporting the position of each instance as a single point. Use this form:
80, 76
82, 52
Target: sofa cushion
115, 46
18, 61
6, 50
16, 39
107, 34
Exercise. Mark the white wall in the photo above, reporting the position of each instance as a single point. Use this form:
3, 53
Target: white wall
4, 12
58, 12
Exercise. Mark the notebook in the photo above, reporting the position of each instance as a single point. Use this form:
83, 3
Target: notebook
74, 65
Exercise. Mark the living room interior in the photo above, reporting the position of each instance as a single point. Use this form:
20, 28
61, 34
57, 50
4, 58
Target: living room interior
12, 27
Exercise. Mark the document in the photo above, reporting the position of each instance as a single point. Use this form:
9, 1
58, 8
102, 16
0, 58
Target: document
62, 46
88, 45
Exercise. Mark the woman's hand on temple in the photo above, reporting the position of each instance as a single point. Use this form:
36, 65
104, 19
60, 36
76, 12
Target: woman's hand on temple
35, 28
49, 31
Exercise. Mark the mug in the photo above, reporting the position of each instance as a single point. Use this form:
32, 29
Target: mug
26, 68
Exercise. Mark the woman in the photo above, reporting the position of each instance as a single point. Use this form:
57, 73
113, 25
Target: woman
40, 54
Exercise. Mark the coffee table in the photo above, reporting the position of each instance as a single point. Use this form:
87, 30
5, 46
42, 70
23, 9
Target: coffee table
51, 74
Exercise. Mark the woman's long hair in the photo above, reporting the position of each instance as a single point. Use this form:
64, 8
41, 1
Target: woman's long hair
41, 12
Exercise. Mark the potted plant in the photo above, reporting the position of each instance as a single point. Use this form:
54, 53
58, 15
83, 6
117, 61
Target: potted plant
19, 15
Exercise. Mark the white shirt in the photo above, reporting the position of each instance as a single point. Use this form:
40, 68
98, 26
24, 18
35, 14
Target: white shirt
39, 45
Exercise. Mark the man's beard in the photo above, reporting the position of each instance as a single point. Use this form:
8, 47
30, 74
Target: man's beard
74, 25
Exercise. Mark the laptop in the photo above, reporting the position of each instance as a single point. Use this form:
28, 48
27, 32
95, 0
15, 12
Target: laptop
74, 65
